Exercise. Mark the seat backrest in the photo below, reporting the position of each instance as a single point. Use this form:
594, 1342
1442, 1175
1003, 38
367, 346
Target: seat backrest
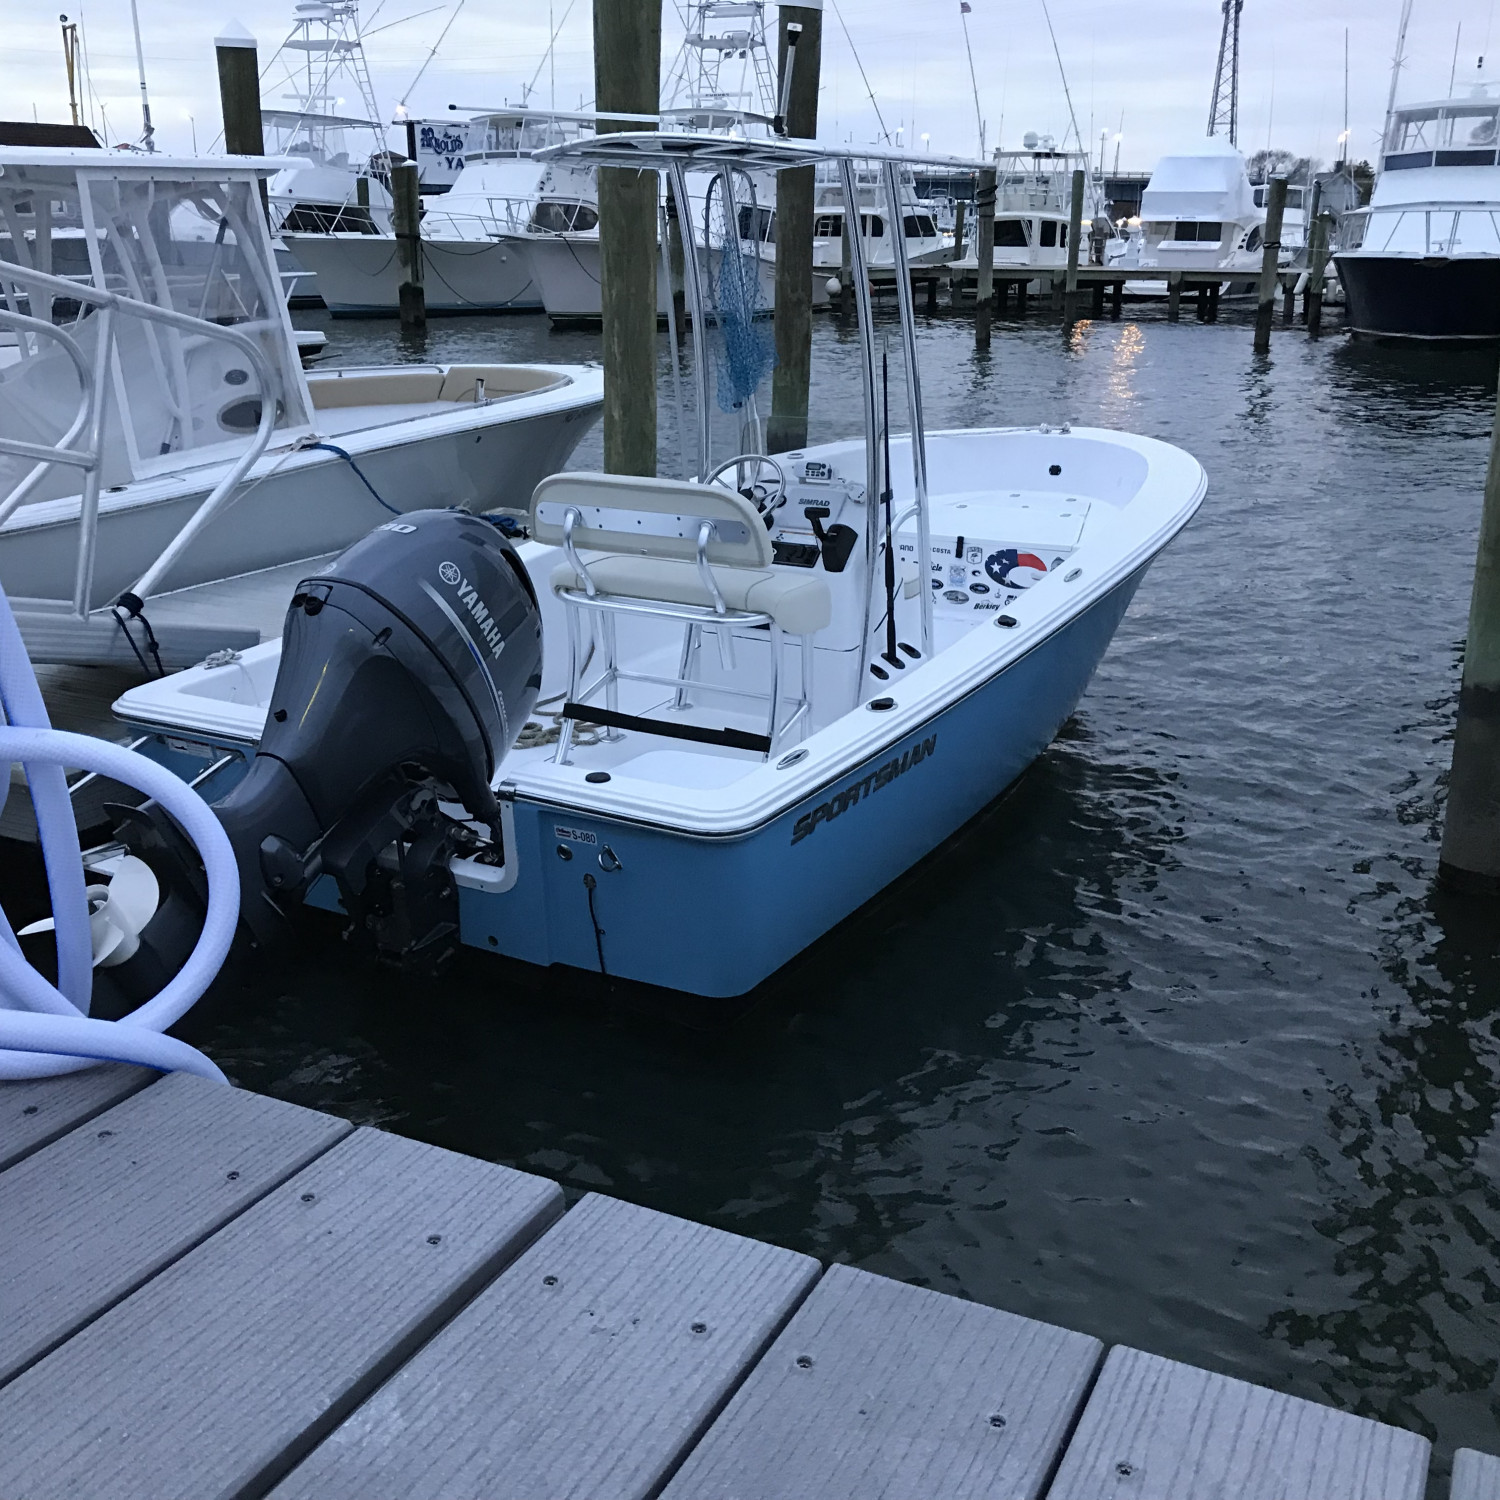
624, 513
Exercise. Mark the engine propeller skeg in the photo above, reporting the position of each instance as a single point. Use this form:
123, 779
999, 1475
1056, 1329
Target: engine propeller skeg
117, 912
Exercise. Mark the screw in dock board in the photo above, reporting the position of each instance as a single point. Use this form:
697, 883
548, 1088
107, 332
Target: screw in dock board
309, 1197
1124, 1470
804, 1361
549, 1281
700, 1327
104, 1135
997, 1420
434, 1239
29, 1110
231, 1177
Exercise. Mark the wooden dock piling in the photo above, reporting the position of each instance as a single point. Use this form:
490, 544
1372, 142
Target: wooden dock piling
627, 79
1075, 234
984, 249
1270, 264
1317, 274
955, 276
1174, 297
1470, 857
406, 220
239, 98
801, 61
239, 93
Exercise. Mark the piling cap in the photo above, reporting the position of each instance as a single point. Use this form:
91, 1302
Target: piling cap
235, 34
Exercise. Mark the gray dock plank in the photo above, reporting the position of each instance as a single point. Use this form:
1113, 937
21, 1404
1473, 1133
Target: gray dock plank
1476, 1476
94, 1215
876, 1389
224, 1370
584, 1371
1157, 1430
34, 1114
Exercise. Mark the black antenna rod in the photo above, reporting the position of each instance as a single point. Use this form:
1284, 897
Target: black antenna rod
885, 499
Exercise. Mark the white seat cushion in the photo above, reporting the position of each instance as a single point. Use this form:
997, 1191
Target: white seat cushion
797, 599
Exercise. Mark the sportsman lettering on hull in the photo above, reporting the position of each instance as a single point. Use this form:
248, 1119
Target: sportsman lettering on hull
883, 776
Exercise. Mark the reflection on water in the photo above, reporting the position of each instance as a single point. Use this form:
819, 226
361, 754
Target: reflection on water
1175, 1044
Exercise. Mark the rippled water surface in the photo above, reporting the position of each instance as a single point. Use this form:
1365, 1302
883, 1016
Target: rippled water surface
1176, 1044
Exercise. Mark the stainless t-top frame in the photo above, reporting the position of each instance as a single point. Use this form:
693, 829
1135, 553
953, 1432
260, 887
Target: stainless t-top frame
673, 155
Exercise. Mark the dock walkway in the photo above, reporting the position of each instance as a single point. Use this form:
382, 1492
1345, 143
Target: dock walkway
207, 1293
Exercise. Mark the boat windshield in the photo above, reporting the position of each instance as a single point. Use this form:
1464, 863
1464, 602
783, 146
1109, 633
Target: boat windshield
515, 135
1424, 231
1466, 125
188, 241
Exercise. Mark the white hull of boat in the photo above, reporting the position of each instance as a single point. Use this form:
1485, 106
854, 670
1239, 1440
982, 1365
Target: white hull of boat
566, 271
302, 501
359, 275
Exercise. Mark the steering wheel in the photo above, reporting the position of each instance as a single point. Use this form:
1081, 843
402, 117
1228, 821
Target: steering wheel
765, 494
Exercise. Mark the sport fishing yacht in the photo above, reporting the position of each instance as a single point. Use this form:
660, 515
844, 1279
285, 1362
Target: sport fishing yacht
1199, 212
1033, 206
160, 432
923, 241
685, 726
1423, 260
473, 249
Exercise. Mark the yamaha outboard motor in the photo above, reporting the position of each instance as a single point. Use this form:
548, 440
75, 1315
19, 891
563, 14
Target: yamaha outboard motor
407, 669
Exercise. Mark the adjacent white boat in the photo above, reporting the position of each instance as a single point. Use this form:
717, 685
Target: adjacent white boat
764, 694
156, 427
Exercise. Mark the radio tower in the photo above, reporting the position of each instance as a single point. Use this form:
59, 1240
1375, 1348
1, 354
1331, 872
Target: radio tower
1224, 112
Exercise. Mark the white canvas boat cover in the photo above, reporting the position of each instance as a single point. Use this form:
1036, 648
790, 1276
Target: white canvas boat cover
1207, 181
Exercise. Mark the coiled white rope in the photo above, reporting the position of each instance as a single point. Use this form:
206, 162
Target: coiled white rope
45, 1029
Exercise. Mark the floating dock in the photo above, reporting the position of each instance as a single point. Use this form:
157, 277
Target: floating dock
208, 1293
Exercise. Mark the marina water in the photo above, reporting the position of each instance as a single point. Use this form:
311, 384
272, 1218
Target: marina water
1176, 1045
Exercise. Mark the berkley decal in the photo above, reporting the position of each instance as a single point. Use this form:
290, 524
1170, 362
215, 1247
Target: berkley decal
839, 804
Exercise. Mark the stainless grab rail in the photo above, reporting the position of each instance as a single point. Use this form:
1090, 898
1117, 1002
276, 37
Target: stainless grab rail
111, 303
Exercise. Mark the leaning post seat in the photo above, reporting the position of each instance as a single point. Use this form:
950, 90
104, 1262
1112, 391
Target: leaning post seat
695, 553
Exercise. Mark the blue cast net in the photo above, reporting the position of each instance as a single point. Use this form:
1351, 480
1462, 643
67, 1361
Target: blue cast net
746, 349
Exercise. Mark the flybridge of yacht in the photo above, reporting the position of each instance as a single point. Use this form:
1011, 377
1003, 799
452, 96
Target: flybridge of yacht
1444, 133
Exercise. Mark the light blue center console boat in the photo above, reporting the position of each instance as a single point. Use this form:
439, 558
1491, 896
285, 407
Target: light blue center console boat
765, 692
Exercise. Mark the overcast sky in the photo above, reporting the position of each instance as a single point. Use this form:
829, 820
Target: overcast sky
1143, 69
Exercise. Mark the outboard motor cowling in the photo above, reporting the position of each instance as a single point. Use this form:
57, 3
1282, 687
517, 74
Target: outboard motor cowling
407, 669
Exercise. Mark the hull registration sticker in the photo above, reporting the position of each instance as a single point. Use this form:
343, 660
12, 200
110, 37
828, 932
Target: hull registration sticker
866, 786
573, 835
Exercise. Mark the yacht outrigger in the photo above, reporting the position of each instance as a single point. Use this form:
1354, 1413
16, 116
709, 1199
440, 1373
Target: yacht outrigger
684, 727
